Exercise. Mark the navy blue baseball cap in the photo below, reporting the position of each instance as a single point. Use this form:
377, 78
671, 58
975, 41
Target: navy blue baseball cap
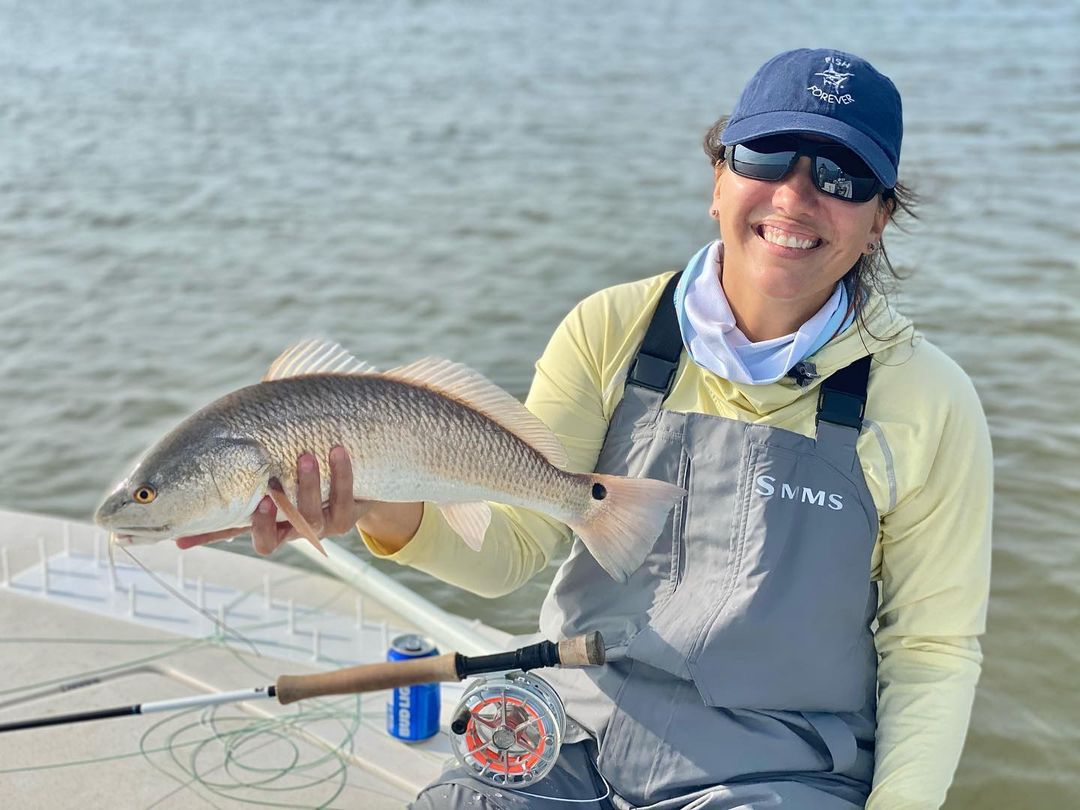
825, 92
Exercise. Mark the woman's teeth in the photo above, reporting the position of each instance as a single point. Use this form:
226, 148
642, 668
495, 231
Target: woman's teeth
785, 239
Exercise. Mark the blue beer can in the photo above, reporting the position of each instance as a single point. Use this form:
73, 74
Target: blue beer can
412, 712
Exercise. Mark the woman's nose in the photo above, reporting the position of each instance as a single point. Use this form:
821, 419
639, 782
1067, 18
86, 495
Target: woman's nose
796, 190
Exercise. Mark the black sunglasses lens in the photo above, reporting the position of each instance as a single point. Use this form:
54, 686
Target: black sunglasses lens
847, 161
847, 183
763, 159
842, 173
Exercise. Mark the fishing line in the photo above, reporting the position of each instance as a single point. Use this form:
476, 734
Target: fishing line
219, 762
225, 750
92, 677
73, 684
85, 675
607, 793
250, 736
202, 611
225, 740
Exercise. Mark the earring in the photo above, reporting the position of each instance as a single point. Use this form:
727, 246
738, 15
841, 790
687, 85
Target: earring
871, 247
714, 213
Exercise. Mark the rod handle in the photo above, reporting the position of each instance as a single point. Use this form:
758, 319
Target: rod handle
367, 678
582, 651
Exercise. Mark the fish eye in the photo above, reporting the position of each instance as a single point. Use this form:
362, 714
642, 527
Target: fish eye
144, 494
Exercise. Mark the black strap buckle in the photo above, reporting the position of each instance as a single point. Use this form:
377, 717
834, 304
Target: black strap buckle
654, 373
840, 408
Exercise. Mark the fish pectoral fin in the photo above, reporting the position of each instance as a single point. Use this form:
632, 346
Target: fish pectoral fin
316, 357
288, 508
470, 520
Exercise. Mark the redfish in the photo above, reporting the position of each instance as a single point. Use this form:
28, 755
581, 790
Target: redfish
433, 431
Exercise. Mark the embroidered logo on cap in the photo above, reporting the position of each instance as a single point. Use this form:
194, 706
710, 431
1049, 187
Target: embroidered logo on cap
833, 80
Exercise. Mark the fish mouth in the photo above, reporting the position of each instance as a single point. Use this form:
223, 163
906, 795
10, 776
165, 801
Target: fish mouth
133, 534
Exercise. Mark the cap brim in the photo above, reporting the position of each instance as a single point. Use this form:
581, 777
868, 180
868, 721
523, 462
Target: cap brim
776, 123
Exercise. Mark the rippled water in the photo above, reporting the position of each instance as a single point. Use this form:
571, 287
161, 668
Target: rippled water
185, 188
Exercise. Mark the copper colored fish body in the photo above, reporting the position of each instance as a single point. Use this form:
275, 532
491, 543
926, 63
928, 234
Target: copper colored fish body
433, 431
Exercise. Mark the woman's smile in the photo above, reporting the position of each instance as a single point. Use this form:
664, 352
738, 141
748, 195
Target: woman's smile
793, 240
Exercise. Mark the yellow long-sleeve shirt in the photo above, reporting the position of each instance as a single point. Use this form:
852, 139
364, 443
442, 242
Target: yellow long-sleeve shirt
926, 457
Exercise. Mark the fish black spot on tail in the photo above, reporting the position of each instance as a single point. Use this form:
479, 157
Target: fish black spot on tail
599, 492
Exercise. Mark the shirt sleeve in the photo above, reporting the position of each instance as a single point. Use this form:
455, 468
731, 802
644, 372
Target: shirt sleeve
935, 578
566, 396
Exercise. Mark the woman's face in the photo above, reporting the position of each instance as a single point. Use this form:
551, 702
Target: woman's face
786, 244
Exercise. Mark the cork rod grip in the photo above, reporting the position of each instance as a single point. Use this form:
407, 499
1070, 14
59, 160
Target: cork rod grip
367, 678
582, 651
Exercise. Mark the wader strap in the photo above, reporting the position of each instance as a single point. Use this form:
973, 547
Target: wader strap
837, 737
842, 400
658, 358
841, 405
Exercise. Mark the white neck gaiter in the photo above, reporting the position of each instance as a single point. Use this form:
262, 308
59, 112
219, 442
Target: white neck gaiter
715, 342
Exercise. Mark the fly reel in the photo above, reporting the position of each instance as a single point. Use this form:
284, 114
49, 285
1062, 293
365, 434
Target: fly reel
508, 729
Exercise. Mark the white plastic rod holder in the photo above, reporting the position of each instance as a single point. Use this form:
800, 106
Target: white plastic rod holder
44, 565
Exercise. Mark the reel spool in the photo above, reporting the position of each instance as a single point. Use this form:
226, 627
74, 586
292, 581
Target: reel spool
508, 729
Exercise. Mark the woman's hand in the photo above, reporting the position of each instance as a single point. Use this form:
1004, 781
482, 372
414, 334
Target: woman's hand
393, 523
337, 517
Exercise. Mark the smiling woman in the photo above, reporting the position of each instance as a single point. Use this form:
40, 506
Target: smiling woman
785, 641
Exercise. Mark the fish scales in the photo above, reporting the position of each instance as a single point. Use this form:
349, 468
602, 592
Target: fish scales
405, 440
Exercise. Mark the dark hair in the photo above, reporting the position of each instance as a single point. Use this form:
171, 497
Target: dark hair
873, 273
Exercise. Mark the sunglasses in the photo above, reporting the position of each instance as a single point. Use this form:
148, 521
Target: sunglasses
835, 169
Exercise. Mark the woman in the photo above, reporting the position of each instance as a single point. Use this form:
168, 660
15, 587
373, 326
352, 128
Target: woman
838, 472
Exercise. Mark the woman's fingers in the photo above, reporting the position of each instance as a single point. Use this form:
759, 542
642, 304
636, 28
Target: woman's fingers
342, 510
309, 492
202, 539
264, 528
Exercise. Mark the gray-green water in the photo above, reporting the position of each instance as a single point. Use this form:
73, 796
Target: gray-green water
187, 187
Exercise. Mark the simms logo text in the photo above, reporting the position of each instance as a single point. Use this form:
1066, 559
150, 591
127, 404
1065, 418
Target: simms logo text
765, 486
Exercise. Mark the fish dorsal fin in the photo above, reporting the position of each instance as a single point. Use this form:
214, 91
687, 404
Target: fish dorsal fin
471, 388
316, 357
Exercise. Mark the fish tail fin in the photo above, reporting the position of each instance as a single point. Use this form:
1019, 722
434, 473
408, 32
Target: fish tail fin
623, 519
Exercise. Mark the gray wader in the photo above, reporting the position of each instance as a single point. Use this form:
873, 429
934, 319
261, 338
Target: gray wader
748, 671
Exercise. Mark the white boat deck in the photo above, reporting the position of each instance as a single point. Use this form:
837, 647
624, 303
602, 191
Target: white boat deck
76, 637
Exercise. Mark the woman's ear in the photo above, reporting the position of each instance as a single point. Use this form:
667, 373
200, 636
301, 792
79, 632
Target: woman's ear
718, 173
881, 217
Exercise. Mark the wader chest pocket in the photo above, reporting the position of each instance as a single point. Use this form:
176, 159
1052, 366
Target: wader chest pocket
788, 627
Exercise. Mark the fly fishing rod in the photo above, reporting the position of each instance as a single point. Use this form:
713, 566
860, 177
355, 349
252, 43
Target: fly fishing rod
580, 651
